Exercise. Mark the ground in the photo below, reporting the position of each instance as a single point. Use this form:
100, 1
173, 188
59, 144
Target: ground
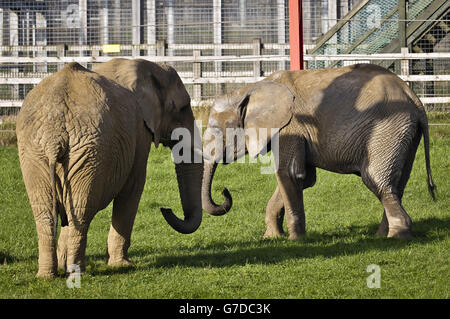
227, 257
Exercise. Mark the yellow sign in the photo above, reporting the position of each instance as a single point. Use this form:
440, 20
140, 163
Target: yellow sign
111, 48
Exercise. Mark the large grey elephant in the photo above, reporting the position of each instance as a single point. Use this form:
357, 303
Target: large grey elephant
83, 140
360, 119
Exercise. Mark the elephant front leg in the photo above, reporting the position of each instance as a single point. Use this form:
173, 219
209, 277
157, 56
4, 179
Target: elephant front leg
125, 207
290, 176
293, 202
274, 215
119, 238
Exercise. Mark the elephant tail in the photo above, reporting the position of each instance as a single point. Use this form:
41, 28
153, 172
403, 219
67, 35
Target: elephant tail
55, 211
54, 149
426, 142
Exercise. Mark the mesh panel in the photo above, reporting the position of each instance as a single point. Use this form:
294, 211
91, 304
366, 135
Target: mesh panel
43, 29
79, 28
373, 27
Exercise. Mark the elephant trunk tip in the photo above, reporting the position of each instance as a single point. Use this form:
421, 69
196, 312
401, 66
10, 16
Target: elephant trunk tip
219, 210
208, 203
184, 227
228, 200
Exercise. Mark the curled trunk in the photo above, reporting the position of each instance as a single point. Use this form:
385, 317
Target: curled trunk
207, 202
189, 178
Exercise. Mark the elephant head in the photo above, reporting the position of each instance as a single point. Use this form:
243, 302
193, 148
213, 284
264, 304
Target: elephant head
252, 111
165, 106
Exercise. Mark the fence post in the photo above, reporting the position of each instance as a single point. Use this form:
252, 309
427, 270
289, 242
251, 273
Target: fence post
257, 64
281, 31
402, 23
104, 23
161, 48
95, 52
296, 34
115, 28
404, 62
217, 30
197, 73
170, 26
83, 35
14, 41
41, 39
136, 26
151, 25
1, 30
61, 52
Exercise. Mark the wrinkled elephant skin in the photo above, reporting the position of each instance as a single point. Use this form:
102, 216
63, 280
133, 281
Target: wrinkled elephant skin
360, 119
83, 141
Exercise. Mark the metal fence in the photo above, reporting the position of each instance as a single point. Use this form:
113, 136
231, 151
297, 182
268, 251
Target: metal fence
215, 45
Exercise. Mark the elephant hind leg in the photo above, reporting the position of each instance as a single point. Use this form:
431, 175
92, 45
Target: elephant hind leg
37, 182
62, 247
383, 229
404, 231
398, 220
274, 215
46, 230
75, 235
395, 221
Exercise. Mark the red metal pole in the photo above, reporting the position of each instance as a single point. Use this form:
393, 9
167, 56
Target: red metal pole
296, 34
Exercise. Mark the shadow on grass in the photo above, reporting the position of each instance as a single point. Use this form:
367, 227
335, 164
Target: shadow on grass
6, 258
313, 245
349, 241
105, 270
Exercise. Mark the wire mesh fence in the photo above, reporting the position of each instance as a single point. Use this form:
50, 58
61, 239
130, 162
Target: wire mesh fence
215, 45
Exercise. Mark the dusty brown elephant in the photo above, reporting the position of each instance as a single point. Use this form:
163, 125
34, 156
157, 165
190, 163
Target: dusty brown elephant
83, 141
359, 119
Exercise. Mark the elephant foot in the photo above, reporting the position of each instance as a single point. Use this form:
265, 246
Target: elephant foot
272, 233
122, 262
46, 274
382, 232
62, 259
401, 233
295, 236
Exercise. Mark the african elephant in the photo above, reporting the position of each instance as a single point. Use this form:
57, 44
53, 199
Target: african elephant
83, 141
360, 119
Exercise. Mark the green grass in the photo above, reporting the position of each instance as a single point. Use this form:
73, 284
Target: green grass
227, 257
7, 131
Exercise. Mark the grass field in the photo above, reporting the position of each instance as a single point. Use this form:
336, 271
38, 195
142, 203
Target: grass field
227, 257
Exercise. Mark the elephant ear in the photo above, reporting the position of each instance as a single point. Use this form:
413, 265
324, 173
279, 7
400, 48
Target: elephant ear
140, 77
265, 106
151, 106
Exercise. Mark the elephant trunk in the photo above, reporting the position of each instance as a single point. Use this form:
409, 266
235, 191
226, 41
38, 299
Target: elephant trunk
189, 178
207, 202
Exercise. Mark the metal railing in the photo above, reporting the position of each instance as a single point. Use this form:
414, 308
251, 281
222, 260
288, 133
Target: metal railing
207, 75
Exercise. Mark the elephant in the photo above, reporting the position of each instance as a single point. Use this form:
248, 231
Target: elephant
360, 119
84, 139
